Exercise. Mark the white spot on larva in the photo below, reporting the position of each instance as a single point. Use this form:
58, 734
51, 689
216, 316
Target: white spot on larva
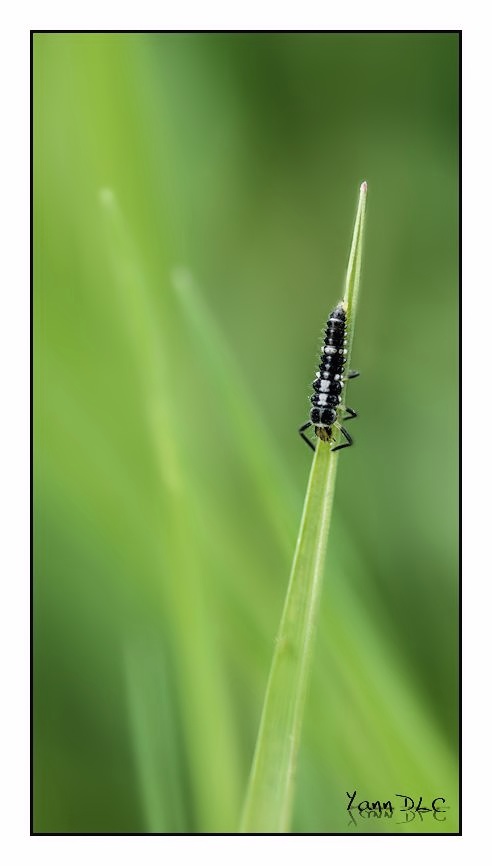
322, 398
324, 385
317, 374
341, 351
330, 350
345, 351
336, 377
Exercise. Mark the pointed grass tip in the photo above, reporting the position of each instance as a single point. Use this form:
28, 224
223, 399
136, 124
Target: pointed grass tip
363, 186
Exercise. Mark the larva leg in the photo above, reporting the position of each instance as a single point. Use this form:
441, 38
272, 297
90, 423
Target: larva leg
346, 444
353, 414
303, 436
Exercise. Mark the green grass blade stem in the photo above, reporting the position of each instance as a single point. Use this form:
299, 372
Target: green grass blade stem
269, 799
267, 471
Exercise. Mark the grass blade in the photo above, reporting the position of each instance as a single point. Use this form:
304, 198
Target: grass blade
155, 736
209, 736
268, 805
267, 472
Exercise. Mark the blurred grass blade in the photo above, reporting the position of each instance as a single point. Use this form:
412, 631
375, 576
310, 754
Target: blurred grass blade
156, 742
258, 446
210, 745
269, 799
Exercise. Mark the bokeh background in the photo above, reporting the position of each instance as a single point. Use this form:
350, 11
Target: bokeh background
194, 196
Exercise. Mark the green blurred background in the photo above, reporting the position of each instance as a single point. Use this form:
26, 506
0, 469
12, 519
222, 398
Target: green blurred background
194, 196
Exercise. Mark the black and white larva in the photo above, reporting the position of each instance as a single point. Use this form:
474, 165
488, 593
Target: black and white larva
329, 383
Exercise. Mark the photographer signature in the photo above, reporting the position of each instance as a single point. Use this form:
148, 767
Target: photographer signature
410, 807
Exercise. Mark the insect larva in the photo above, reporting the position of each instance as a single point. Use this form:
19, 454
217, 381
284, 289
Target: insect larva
329, 383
